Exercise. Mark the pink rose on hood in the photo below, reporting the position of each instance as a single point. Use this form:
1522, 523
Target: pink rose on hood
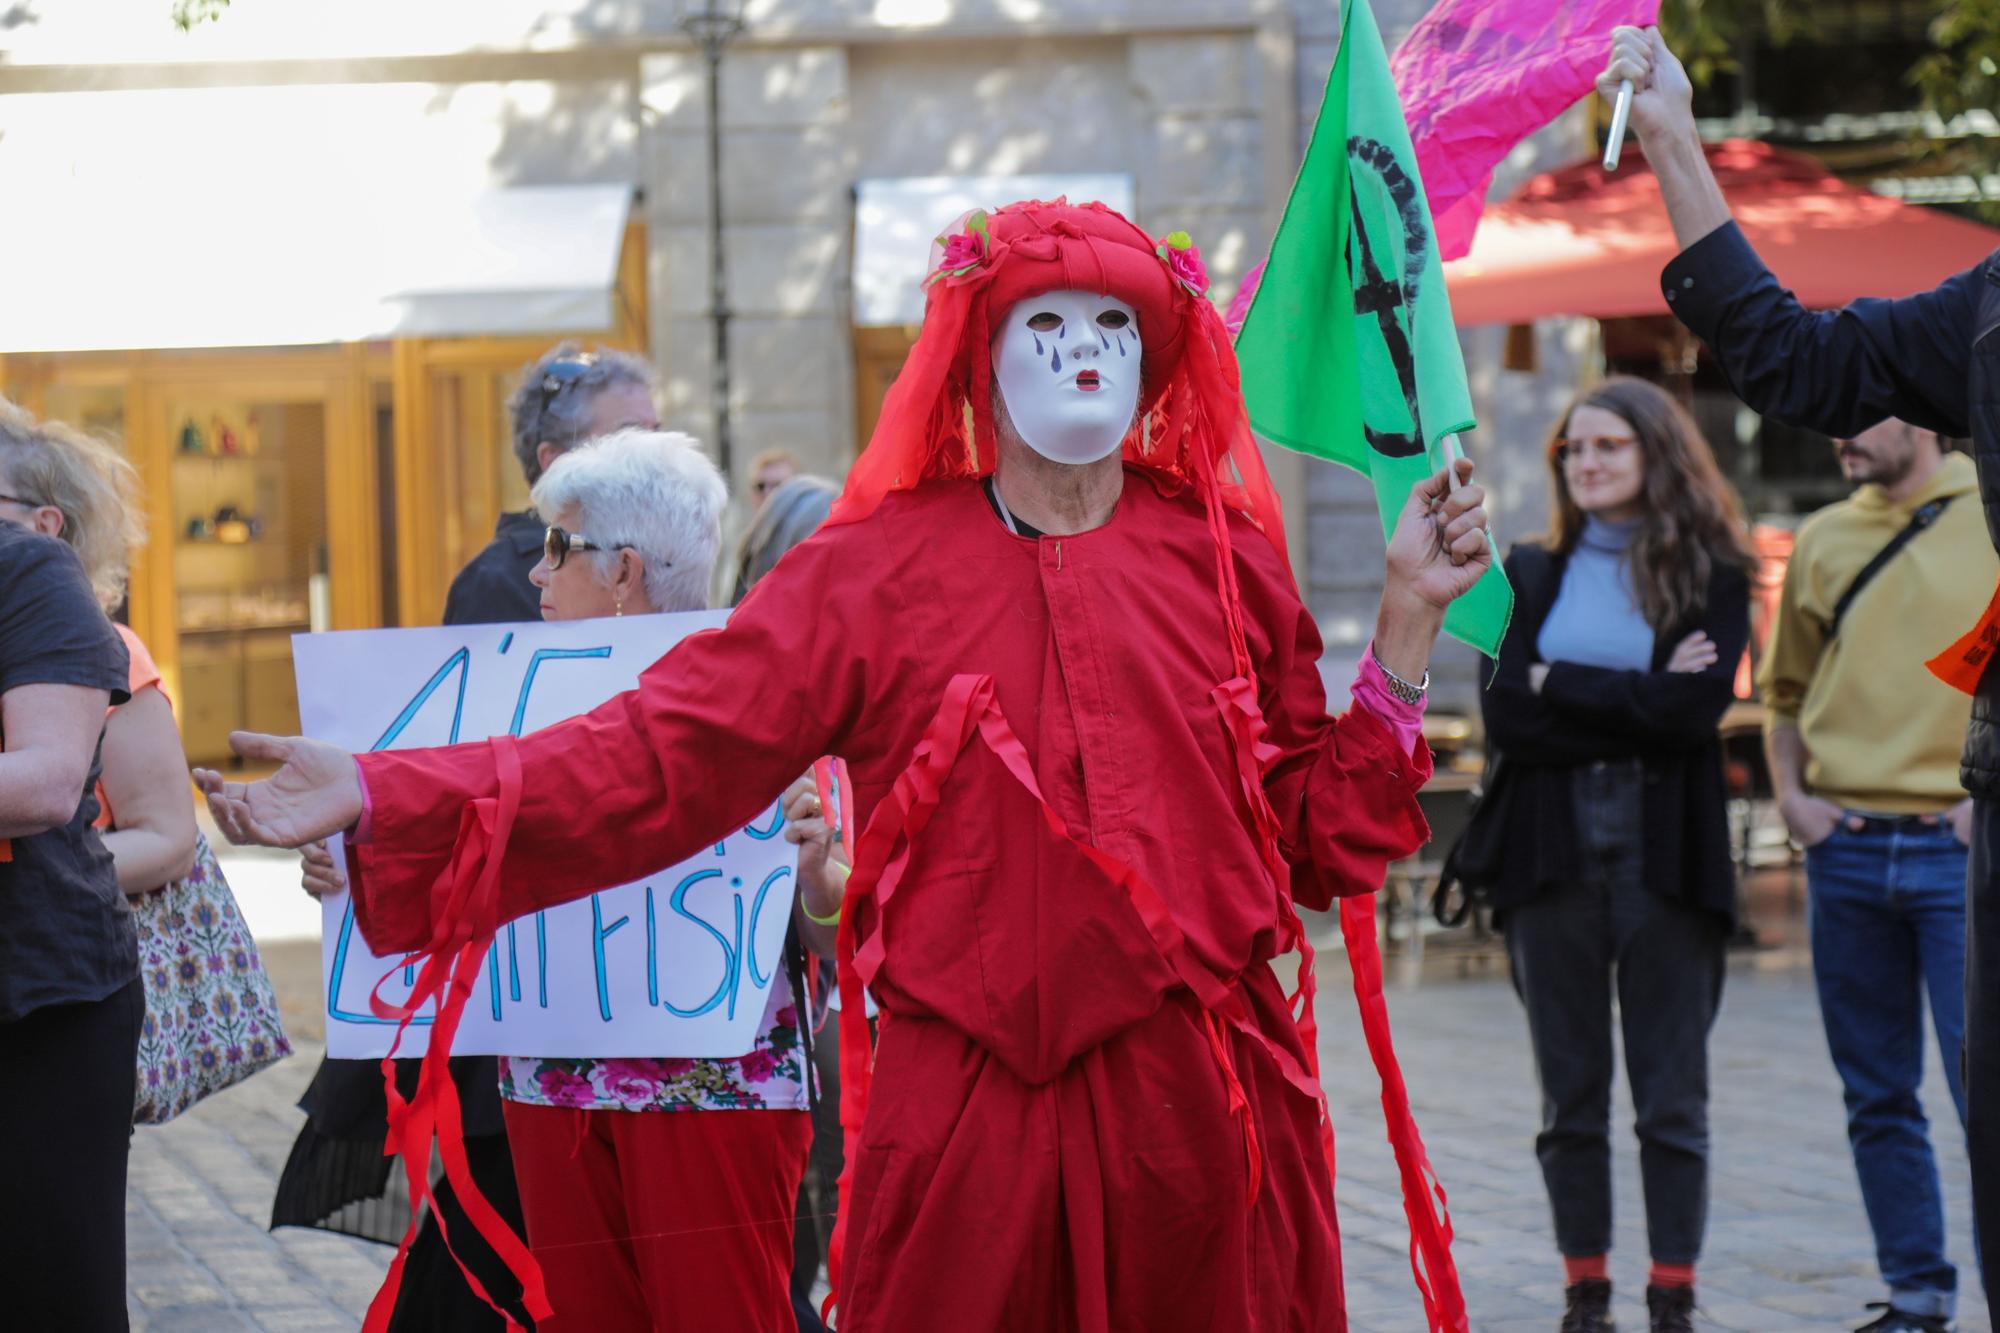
961, 251
1183, 258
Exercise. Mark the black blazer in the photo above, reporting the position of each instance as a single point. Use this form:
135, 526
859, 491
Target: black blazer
1666, 720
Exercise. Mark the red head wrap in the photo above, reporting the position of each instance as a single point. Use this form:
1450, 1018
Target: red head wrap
937, 421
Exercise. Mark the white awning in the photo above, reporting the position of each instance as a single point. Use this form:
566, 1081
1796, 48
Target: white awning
89, 267
895, 221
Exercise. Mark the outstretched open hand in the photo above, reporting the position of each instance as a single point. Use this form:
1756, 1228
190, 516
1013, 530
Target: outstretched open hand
315, 792
1440, 547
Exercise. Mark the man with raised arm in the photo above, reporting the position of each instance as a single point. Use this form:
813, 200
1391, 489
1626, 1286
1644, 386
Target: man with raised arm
1051, 628
1932, 360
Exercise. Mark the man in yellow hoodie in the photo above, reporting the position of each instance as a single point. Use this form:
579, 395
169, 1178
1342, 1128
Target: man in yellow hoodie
1864, 748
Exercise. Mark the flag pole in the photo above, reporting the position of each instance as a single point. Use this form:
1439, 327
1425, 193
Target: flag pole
1453, 451
1620, 111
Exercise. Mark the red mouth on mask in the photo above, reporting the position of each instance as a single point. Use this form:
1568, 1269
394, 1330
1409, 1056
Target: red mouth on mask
1087, 381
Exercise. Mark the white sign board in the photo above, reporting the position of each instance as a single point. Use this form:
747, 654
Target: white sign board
678, 964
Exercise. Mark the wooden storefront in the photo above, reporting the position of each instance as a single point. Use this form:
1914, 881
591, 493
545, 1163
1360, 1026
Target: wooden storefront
289, 489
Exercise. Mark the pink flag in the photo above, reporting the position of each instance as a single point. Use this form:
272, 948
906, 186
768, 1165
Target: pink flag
1479, 76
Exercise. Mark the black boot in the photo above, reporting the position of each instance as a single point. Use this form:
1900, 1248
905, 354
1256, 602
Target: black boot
1671, 1309
1893, 1320
1587, 1307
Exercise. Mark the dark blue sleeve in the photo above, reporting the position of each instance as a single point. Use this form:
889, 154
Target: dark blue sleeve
1834, 371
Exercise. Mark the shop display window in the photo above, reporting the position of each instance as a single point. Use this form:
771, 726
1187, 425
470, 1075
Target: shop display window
249, 561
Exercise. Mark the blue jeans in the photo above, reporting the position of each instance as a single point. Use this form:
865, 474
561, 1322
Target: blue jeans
1888, 926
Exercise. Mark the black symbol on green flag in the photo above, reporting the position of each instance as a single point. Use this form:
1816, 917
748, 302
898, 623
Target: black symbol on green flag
1386, 254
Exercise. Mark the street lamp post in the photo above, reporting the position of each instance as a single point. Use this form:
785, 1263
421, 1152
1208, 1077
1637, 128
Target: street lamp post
713, 24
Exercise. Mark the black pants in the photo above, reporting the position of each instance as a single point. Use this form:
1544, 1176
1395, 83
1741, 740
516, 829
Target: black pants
1569, 949
1982, 1034
67, 1076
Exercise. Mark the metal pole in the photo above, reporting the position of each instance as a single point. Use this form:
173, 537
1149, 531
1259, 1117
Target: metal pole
712, 43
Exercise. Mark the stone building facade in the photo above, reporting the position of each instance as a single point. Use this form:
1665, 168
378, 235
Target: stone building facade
1204, 104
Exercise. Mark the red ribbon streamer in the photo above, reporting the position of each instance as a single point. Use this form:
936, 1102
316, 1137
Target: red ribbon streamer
969, 707
464, 923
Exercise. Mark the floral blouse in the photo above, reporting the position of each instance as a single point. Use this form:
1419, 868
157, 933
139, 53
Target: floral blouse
770, 1078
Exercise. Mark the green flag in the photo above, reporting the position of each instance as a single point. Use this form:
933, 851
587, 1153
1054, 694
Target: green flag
1348, 351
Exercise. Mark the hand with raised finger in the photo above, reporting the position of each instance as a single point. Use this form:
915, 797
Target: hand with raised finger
320, 874
315, 792
1440, 546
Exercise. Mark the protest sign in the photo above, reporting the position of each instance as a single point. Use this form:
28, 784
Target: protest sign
678, 964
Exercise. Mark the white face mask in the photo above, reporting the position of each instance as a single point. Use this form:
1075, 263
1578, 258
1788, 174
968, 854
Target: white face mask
1067, 364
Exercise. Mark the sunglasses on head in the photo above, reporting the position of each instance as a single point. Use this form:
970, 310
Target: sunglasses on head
561, 374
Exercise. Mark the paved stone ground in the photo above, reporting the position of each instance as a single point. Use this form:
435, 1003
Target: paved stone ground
1788, 1248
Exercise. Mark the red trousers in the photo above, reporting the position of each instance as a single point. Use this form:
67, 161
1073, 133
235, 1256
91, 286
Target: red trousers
659, 1221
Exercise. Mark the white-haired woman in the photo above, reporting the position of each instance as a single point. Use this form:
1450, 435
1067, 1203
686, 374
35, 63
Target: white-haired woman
639, 1216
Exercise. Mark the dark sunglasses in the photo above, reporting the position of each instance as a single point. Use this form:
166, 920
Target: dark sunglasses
558, 543
561, 374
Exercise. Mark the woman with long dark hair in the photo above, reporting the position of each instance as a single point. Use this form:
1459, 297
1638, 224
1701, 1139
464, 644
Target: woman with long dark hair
1615, 877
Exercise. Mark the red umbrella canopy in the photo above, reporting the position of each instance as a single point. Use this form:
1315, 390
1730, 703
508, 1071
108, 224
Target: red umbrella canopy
1580, 241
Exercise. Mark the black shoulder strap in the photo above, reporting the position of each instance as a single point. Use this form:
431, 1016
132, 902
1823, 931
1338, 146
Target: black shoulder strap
1923, 518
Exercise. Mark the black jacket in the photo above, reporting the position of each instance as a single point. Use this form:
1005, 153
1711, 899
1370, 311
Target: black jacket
1932, 359
1665, 719
493, 588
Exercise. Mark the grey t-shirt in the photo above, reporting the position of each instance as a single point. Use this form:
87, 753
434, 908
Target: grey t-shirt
66, 934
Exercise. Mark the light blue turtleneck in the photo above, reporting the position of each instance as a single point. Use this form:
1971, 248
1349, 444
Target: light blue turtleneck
1596, 619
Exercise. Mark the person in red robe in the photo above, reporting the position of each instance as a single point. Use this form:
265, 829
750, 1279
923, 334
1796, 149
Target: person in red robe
1052, 631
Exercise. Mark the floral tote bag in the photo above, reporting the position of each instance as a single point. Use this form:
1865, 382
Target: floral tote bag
211, 1015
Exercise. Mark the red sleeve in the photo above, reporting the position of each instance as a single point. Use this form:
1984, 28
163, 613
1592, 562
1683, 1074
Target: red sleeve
713, 733
1344, 791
